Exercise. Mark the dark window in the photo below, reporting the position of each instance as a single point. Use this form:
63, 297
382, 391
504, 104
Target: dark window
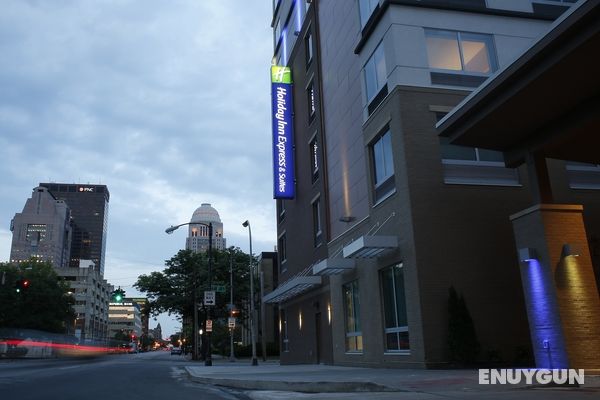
308, 44
314, 158
366, 8
317, 230
354, 341
383, 166
281, 247
281, 209
375, 73
394, 307
310, 93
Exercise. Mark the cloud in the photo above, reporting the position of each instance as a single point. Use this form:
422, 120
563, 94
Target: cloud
167, 103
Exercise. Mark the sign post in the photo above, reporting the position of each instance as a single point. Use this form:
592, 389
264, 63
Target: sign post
209, 297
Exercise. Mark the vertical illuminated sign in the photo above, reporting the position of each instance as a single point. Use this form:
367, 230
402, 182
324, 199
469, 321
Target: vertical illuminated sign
283, 135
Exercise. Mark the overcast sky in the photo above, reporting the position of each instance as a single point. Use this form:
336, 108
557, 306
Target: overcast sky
165, 102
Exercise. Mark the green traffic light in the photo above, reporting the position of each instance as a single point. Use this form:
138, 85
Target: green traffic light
118, 298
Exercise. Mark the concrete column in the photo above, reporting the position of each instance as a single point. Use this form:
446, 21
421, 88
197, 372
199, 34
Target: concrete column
560, 289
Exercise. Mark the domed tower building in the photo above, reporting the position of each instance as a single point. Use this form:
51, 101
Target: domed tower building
197, 239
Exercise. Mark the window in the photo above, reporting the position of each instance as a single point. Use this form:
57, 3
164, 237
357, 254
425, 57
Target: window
36, 233
366, 8
310, 94
281, 247
394, 308
317, 231
458, 58
456, 152
459, 51
352, 314
383, 166
308, 45
313, 147
583, 175
281, 209
474, 166
375, 74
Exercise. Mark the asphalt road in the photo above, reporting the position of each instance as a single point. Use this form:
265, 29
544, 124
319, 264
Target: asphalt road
147, 376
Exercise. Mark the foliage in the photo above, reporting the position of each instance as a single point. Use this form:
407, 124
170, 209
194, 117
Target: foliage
462, 339
172, 290
44, 305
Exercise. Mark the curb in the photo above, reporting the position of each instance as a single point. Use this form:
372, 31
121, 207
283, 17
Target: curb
305, 387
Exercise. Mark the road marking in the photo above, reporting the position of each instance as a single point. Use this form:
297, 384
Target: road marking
71, 367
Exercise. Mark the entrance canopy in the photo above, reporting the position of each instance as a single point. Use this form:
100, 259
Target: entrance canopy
546, 103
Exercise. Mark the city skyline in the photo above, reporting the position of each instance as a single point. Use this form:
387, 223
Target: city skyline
173, 122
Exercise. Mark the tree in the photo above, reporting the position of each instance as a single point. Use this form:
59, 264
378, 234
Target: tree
43, 303
172, 289
462, 338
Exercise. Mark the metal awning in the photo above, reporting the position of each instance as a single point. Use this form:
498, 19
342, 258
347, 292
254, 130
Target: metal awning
292, 288
333, 266
370, 246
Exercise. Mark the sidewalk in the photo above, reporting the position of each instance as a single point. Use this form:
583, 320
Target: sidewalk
271, 376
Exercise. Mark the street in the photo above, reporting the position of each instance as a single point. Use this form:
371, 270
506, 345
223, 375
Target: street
152, 375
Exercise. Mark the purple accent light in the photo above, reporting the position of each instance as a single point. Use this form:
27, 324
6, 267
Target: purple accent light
544, 318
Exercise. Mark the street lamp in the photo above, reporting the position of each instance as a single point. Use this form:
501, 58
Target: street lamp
246, 224
169, 230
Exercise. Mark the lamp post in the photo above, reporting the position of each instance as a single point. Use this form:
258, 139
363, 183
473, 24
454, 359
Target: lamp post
169, 230
246, 224
231, 329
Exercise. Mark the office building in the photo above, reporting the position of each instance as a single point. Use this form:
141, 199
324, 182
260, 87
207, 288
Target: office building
125, 317
89, 213
384, 217
92, 295
42, 230
197, 239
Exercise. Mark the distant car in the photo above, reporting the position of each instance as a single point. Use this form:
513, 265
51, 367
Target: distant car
176, 350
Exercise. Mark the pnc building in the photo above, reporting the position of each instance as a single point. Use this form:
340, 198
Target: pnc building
89, 213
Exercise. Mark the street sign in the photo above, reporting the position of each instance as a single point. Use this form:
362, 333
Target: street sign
231, 322
209, 325
209, 298
218, 288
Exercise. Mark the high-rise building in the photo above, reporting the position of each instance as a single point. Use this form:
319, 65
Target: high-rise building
89, 213
378, 218
197, 239
43, 230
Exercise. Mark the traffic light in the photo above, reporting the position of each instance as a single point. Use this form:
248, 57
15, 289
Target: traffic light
118, 295
22, 285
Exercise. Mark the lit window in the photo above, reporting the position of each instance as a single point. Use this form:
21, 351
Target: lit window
383, 166
394, 307
459, 51
352, 314
375, 73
